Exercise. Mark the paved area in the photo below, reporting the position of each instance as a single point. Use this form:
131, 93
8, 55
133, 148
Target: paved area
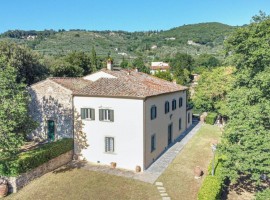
155, 170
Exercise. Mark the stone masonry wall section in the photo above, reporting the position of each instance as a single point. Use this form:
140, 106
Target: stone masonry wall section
50, 101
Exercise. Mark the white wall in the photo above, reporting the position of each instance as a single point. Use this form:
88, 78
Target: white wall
127, 130
159, 126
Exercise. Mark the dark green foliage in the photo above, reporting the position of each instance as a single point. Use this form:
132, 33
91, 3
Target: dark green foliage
33, 158
263, 195
207, 60
212, 185
15, 122
139, 64
182, 65
25, 61
246, 141
164, 75
211, 91
124, 64
80, 60
211, 118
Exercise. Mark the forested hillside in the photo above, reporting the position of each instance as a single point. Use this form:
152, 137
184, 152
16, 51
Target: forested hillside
193, 39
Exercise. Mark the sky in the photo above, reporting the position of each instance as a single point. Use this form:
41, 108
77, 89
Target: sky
127, 15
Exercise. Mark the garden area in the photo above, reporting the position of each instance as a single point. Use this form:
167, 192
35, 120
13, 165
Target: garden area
78, 183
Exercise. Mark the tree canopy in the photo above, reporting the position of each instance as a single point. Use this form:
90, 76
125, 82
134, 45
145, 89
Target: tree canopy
246, 142
14, 119
211, 91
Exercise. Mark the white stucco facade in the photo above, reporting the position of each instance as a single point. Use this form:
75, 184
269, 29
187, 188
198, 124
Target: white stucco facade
131, 129
126, 129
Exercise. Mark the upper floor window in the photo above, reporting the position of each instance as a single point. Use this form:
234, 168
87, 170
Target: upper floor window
88, 113
180, 102
173, 104
109, 144
153, 143
106, 115
153, 112
167, 107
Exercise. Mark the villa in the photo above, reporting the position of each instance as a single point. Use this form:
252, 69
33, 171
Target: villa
121, 116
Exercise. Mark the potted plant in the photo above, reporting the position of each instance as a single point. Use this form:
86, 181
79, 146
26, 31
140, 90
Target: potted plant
113, 164
3, 187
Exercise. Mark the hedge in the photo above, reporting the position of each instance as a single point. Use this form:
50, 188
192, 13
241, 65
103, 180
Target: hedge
263, 195
26, 161
211, 118
212, 185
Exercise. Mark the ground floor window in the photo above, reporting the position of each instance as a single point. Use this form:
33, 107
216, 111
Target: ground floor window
109, 144
51, 130
188, 117
180, 124
170, 132
153, 142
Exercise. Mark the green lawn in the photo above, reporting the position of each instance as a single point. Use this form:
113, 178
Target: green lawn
178, 179
80, 184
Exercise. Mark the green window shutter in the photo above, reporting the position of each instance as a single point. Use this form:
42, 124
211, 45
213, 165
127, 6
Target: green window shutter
112, 115
100, 114
82, 113
92, 111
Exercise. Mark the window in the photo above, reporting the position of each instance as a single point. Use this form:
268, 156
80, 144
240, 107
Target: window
153, 143
106, 115
88, 113
109, 144
167, 107
174, 104
180, 102
188, 117
170, 132
180, 123
153, 112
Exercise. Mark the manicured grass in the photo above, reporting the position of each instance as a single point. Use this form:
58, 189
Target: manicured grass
82, 184
178, 179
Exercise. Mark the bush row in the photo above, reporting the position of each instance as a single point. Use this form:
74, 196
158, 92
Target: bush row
33, 158
211, 118
212, 185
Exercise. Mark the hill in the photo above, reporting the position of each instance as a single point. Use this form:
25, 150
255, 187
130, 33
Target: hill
193, 39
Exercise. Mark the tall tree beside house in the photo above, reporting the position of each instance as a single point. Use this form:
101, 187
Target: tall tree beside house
62, 68
182, 65
139, 64
166, 75
212, 89
124, 64
80, 60
94, 60
15, 122
25, 61
246, 142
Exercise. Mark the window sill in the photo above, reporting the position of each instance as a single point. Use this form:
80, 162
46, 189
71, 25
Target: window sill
88, 119
110, 153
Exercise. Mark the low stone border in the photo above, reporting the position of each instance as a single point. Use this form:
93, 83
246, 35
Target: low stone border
16, 183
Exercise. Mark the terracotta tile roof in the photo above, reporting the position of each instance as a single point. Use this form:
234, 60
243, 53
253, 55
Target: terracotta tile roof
73, 84
126, 84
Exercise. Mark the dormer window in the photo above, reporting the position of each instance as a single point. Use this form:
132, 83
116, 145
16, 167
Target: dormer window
167, 107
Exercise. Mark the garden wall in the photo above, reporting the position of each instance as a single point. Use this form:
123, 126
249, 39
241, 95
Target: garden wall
16, 183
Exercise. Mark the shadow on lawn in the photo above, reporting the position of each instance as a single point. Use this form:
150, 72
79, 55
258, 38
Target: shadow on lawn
70, 166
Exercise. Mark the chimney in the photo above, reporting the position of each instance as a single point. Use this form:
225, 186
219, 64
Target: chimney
109, 64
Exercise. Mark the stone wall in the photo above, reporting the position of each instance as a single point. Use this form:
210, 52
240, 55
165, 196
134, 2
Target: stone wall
16, 183
50, 101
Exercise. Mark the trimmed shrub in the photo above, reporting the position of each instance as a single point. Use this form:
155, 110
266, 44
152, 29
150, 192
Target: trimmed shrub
211, 118
211, 188
212, 185
263, 195
26, 161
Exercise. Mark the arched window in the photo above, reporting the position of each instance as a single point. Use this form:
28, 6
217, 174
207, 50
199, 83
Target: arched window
153, 112
180, 102
167, 107
173, 104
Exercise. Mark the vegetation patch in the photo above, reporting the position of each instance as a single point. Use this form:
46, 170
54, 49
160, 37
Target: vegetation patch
31, 159
211, 118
